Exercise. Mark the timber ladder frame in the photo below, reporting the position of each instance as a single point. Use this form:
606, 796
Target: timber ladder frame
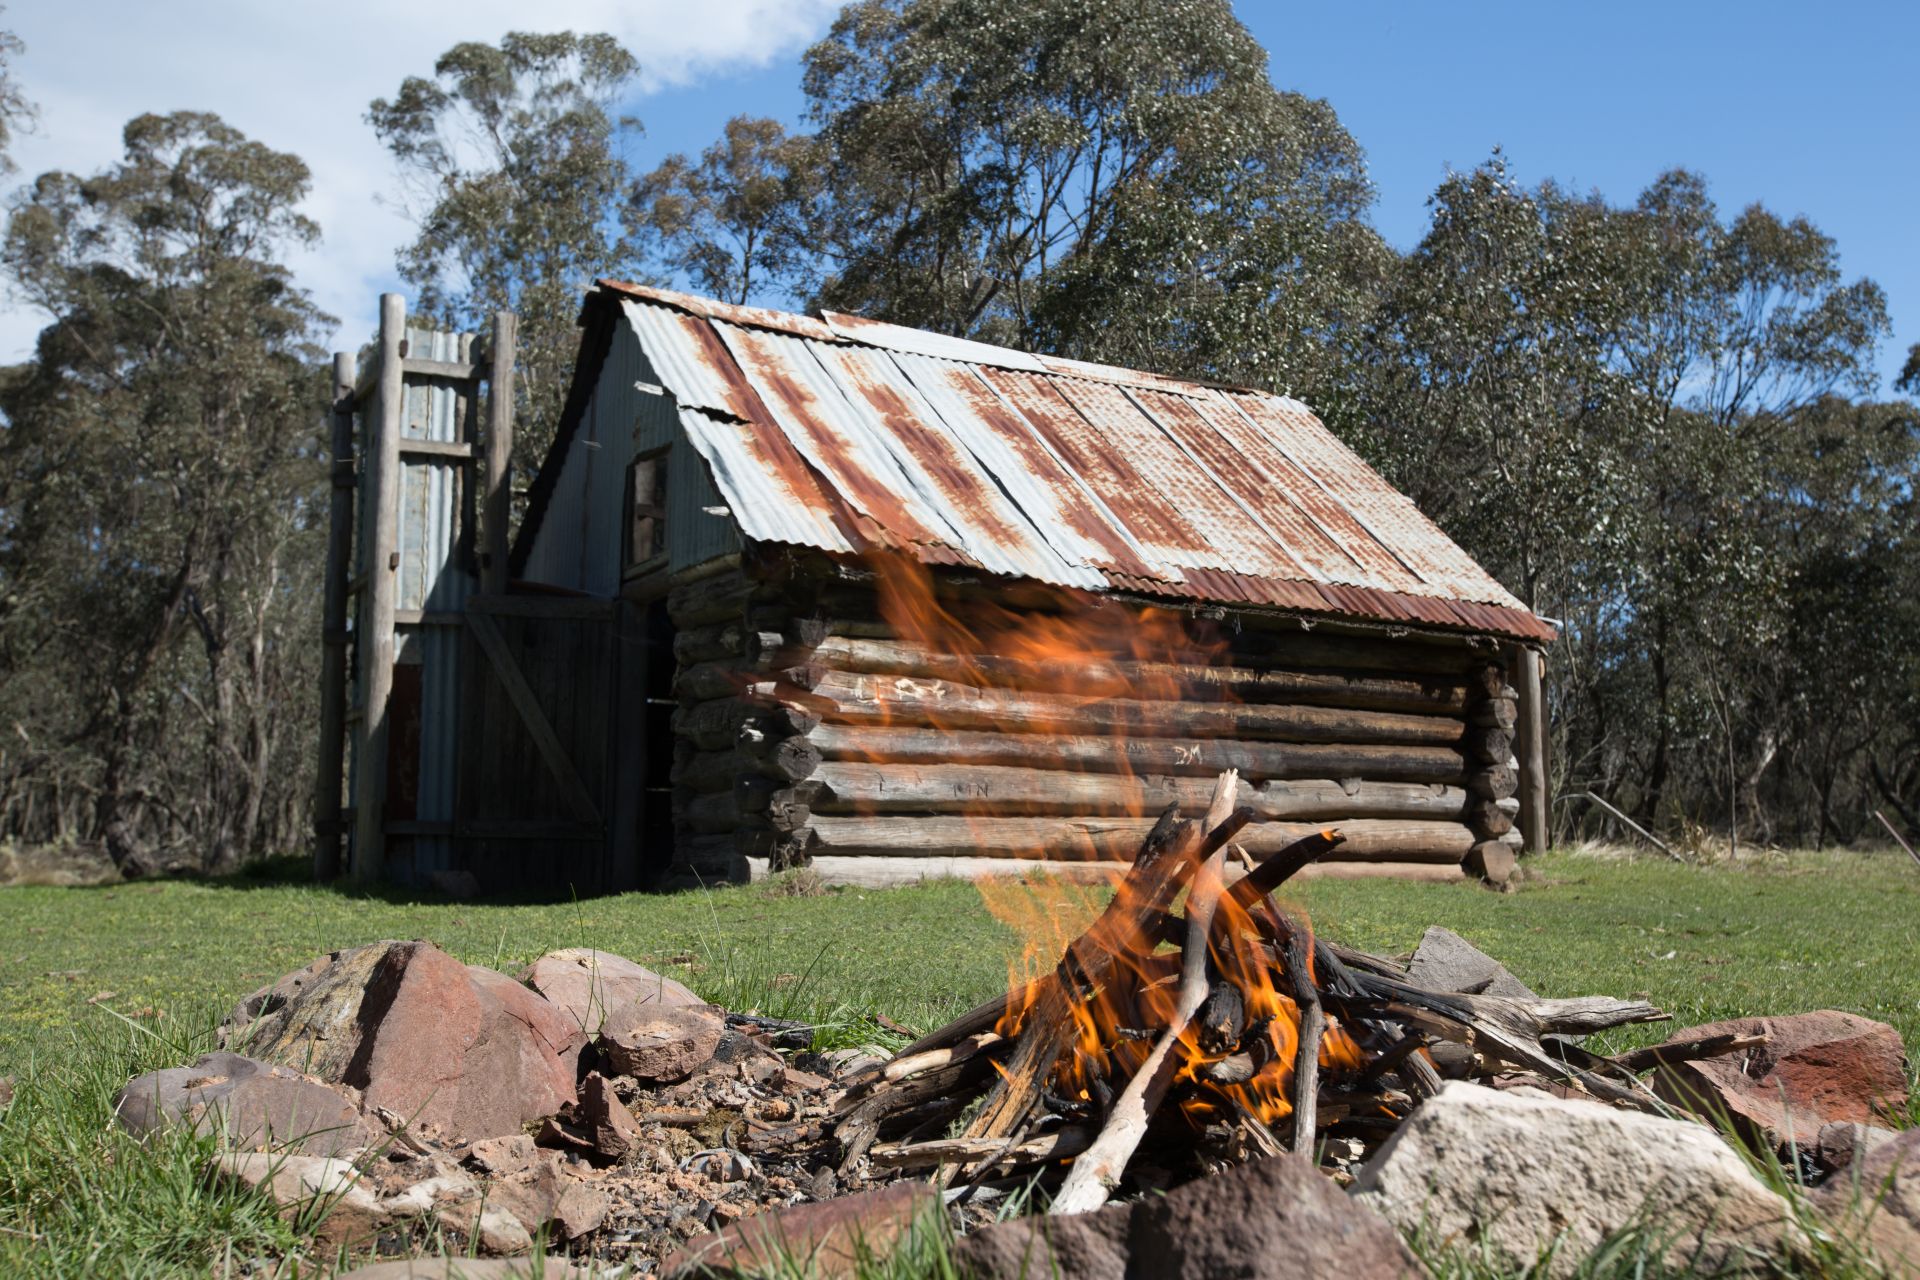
378, 398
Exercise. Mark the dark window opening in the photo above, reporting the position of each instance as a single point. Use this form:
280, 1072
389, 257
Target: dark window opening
646, 505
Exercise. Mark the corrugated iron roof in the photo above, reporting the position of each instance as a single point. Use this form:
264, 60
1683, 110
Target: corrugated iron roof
850, 435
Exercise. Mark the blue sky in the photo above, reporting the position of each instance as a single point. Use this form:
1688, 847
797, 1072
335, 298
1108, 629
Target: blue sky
1808, 109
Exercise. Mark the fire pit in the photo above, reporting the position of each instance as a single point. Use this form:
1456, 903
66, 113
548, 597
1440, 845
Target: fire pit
1186, 1040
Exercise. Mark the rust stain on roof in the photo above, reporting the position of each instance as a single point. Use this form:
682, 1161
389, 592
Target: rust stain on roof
851, 435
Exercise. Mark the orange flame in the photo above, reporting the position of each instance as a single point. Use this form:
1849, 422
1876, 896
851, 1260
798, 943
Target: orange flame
975, 664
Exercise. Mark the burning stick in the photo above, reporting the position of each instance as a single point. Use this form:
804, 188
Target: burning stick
1094, 1174
1197, 1055
1166, 863
1306, 1063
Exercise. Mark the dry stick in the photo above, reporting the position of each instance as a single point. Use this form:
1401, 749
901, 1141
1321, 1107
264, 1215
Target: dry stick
1058, 1145
1306, 1062
1898, 838
1643, 833
1094, 1174
909, 1064
1257, 1131
1396, 1053
1689, 1050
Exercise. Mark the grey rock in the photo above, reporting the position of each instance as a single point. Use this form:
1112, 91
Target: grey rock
1519, 1173
473, 1269
1445, 961
250, 1104
351, 1214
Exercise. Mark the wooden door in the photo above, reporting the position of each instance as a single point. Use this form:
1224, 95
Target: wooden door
539, 677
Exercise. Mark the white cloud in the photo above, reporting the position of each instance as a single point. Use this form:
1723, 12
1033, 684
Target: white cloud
299, 77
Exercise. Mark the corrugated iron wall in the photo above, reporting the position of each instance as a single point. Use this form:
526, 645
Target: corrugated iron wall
579, 545
437, 574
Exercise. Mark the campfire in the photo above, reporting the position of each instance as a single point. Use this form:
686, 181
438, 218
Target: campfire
1180, 1036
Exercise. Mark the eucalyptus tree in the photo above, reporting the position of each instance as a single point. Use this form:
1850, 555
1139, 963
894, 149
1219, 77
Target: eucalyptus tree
514, 164
1608, 406
1108, 180
1736, 328
736, 225
15, 110
160, 473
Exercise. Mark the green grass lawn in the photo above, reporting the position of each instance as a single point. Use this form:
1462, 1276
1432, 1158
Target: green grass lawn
1803, 932
98, 983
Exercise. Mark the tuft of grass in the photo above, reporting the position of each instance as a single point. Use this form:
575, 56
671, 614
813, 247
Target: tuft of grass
79, 1197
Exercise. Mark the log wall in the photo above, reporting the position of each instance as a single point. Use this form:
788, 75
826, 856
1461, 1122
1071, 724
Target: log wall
808, 730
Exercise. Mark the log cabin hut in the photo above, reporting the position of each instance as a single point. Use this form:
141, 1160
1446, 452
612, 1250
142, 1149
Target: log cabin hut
796, 590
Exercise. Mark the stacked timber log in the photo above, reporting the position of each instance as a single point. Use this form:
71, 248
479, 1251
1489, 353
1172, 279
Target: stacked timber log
1494, 775
814, 729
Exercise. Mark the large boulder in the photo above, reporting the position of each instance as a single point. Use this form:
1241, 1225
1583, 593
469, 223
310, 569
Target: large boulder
249, 1104
1519, 1173
592, 986
455, 1050
1815, 1069
1273, 1219
1878, 1199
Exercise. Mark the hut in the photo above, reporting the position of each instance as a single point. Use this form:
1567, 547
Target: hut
816, 590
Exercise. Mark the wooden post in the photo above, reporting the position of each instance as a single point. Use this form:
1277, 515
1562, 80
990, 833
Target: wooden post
1530, 743
382, 563
333, 654
496, 512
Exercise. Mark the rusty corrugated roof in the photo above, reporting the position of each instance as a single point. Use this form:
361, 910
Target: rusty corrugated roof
850, 435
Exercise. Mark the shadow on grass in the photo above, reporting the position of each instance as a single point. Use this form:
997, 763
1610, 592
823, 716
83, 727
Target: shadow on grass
296, 871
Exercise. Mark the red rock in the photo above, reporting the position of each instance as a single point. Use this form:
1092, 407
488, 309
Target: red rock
659, 1044
501, 1156
1815, 1069
591, 986
834, 1236
461, 1052
1878, 1199
551, 1195
607, 1123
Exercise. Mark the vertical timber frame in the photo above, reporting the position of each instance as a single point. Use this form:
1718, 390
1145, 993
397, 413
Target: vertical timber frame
328, 807
403, 559
495, 510
381, 566
1526, 664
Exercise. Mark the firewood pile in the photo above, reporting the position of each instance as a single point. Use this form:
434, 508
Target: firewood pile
1207, 1034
